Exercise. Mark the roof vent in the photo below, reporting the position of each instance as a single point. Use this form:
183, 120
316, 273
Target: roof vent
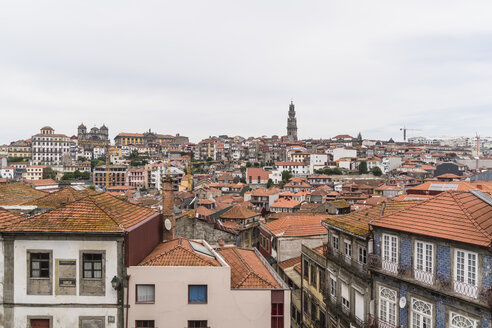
484, 197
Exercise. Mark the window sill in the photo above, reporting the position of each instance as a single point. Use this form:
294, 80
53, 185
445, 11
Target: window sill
39, 278
197, 302
153, 302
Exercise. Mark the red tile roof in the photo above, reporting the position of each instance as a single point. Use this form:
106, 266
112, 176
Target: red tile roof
239, 211
247, 270
7, 218
289, 263
94, 213
57, 198
296, 225
457, 216
177, 252
17, 193
285, 203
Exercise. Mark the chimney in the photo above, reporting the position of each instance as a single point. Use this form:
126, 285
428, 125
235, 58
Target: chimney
167, 208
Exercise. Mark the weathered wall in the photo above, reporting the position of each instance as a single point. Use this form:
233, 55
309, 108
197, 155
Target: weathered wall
199, 229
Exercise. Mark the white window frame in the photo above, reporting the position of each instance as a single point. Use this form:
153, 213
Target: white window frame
466, 281
345, 301
417, 316
333, 237
389, 252
388, 305
424, 262
347, 246
472, 323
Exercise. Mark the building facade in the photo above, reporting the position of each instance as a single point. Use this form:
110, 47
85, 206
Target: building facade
49, 148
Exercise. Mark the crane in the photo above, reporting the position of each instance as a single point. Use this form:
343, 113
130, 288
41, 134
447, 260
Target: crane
404, 129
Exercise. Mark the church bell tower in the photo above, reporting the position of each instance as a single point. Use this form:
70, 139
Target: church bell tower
292, 123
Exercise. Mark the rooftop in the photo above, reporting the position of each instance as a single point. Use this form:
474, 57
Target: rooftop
99, 213
239, 211
247, 270
180, 252
296, 225
18, 193
459, 216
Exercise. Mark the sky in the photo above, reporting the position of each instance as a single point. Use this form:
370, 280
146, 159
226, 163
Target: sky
203, 68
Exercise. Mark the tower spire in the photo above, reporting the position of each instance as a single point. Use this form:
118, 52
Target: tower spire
292, 123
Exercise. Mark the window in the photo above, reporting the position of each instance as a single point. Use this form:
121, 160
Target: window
390, 253
345, 297
277, 315
460, 321
306, 269
197, 323
362, 255
387, 305
92, 265
335, 243
348, 248
145, 293
314, 310
424, 262
306, 303
321, 278
333, 287
144, 324
359, 306
40, 265
197, 294
313, 276
421, 314
465, 273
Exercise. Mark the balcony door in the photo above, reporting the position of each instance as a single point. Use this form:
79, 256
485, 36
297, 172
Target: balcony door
40, 323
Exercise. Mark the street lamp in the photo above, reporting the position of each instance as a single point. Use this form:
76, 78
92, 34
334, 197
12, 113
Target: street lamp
116, 283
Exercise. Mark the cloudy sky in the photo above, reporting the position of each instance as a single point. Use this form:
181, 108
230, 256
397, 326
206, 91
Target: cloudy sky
202, 68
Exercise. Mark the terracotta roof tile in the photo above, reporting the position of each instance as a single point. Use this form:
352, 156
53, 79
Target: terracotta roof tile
247, 270
297, 225
289, 263
452, 215
7, 218
285, 203
358, 222
58, 198
17, 193
94, 213
177, 252
239, 211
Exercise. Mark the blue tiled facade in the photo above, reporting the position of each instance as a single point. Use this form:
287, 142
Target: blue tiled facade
442, 303
444, 261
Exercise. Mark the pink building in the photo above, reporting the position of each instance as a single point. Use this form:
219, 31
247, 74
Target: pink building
186, 283
135, 177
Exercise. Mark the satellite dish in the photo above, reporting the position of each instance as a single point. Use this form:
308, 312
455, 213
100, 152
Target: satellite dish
403, 302
167, 224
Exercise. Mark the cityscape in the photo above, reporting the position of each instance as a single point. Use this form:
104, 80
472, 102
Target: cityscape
152, 230
245, 164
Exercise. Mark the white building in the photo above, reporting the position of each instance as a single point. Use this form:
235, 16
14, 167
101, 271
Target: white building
64, 268
7, 172
295, 168
49, 148
344, 153
390, 163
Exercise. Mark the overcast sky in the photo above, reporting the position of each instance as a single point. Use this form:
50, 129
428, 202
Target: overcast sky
202, 68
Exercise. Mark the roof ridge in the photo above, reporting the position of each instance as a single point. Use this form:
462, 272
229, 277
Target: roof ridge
468, 215
246, 264
178, 246
256, 275
105, 212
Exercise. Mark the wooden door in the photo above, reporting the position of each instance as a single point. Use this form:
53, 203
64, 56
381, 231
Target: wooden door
40, 323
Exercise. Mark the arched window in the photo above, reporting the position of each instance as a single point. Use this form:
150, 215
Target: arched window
387, 305
460, 321
421, 314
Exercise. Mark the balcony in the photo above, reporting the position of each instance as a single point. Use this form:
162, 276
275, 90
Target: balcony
439, 283
374, 322
424, 276
347, 262
350, 319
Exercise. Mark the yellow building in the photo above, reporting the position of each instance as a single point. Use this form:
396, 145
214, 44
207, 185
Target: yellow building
34, 172
20, 149
4, 150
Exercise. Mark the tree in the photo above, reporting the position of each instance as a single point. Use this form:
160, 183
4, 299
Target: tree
248, 164
269, 183
337, 171
363, 167
92, 187
376, 171
48, 173
209, 159
286, 176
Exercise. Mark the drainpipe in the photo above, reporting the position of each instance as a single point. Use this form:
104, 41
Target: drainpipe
122, 290
127, 298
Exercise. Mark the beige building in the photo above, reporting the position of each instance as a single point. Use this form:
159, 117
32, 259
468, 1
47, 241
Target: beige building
186, 283
34, 172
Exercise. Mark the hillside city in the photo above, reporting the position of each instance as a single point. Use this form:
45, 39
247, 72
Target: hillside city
152, 230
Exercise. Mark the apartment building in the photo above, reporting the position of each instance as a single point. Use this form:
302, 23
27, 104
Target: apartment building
117, 175
49, 148
432, 263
